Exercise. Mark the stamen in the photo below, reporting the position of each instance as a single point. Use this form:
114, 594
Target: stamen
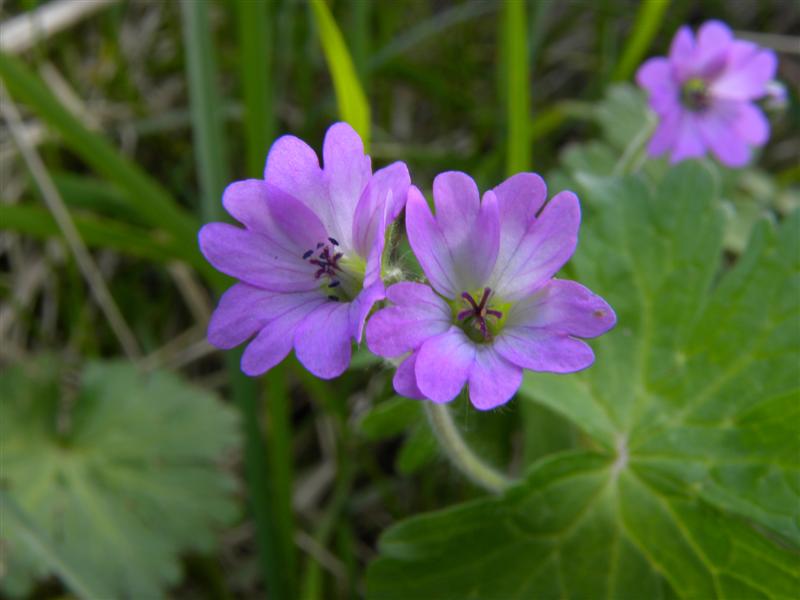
478, 312
334, 298
469, 298
328, 264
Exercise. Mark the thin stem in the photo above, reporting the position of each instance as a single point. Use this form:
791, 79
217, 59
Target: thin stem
634, 154
461, 455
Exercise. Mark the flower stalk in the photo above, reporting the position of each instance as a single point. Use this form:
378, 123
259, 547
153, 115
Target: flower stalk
459, 453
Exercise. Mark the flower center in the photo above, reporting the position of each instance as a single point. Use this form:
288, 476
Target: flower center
694, 95
475, 316
326, 259
341, 276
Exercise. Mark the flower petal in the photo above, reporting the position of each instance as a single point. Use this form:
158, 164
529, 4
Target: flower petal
492, 379
718, 128
688, 141
274, 341
543, 350
322, 342
360, 307
293, 166
519, 198
246, 201
471, 228
666, 134
749, 70
405, 378
656, 76
255, 259
429, 245
242, 311
443, 365
564, 307
548, 243
714, 40
380, 204
418, 314
752, 125
681, 51
347, 172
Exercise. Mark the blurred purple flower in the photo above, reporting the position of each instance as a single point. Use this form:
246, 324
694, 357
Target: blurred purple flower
494, 308
309, 258
703, 95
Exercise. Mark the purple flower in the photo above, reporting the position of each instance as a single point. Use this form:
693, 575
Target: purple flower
494, 308
309, 258
703, 95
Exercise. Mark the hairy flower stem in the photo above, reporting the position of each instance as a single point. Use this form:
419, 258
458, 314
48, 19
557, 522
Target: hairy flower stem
461, 455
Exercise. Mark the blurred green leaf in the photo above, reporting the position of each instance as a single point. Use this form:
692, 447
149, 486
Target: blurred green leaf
390, 418
119, 469
43, 550
691, 410
515, 55
419, 449
353, 106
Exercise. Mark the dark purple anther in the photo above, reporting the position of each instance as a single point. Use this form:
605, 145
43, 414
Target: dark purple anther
333, 241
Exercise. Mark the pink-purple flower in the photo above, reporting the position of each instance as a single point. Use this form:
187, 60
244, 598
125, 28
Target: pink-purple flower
703, 94
309, 257
493, 307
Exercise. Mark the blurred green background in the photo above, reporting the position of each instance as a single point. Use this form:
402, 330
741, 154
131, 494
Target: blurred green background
136, 460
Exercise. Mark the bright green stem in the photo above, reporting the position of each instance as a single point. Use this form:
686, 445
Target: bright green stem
461, 455
644, 29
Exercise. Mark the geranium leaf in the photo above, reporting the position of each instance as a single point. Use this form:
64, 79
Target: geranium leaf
691, 488
97, 466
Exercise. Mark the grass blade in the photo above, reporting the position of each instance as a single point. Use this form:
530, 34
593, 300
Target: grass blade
350, 97
143, 193
255, 60
98, 232
644, 29
209, 141
269, 484
515, 55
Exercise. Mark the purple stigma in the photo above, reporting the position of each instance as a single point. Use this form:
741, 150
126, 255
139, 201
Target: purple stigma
478, 311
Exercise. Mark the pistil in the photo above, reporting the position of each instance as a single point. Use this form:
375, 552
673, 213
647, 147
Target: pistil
478, 311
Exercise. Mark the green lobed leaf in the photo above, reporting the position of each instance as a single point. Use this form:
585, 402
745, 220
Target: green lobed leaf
96, 465
692, 486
